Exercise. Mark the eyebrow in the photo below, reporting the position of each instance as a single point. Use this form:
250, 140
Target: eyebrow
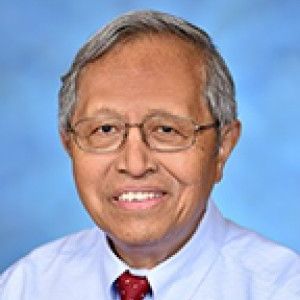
113, 113
107, 110
164, 112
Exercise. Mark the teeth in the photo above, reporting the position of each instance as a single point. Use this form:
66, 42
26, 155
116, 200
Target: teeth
138, 196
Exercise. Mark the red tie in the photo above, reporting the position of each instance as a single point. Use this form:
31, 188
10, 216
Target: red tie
131, 287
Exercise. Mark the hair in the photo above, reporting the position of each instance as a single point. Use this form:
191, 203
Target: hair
219, 90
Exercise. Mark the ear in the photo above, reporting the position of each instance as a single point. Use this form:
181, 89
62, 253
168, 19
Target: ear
65, 138
230, 134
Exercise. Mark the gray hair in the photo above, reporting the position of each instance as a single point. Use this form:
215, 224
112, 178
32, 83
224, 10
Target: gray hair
219, 88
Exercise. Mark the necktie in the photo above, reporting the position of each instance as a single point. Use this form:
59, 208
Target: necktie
131, 287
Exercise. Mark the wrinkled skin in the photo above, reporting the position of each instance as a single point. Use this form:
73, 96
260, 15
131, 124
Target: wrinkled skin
149, 73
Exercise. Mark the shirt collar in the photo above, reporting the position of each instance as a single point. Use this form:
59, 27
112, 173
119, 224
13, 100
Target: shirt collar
203, 246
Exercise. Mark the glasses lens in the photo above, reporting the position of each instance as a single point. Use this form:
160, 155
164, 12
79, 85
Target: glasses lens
168, 132
100, 134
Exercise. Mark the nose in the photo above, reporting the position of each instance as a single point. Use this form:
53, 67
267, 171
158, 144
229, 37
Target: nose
135, 158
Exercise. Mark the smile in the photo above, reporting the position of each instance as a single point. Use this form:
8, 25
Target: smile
139, 196
135, 199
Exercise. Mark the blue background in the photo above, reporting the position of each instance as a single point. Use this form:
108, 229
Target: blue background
260, 40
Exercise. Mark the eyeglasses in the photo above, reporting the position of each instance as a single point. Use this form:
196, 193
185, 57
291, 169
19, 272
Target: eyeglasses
160, 132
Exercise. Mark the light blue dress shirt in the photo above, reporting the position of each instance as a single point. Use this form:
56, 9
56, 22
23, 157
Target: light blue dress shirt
222, 261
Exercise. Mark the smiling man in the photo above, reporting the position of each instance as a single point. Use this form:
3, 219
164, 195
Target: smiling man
148, 118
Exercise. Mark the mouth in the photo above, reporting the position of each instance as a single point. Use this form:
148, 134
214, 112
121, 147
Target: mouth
139, 199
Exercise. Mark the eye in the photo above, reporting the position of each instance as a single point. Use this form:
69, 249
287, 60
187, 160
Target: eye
166, 129
105, 129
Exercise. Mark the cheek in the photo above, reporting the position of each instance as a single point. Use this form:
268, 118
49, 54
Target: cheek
89, 171
190, 168
194, 172
90, 177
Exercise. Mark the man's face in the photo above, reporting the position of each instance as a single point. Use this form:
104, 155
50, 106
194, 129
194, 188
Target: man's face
132, 80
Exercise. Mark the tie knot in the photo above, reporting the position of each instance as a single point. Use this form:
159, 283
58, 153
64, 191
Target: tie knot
131, 287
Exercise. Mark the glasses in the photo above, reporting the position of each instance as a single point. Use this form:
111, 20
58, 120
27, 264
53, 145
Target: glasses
160, 132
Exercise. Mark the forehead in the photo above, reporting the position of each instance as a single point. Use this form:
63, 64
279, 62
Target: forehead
147, 72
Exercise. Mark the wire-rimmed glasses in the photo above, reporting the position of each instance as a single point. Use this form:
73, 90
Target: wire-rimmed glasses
160, 132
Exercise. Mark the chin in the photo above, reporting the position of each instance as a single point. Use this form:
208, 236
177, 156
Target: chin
133, 238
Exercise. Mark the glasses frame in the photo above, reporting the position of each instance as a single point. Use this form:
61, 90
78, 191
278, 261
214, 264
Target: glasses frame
198, 128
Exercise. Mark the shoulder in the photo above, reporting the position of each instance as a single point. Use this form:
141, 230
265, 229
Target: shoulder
48, 261
265, 262
74, 244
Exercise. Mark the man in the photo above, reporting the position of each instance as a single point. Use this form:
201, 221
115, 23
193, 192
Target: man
148, 118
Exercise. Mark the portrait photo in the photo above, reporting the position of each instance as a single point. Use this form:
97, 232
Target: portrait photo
150, 150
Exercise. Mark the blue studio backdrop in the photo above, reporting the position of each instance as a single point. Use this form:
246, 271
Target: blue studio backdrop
260, 41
